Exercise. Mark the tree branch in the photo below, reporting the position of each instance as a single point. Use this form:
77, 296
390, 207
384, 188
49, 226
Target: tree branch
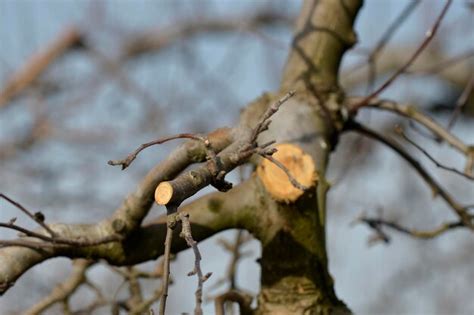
437, 189
429, 36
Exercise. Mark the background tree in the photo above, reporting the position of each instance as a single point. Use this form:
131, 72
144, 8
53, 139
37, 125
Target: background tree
101, 87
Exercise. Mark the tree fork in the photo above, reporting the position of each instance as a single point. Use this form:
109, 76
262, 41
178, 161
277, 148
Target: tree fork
295, 277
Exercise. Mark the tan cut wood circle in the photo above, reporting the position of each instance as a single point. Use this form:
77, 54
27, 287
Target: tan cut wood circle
300, 165
163, 193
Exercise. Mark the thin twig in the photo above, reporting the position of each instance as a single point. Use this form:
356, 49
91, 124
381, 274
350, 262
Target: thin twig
132, 156
443, 64
461, 102
186, 234
428, 37
280, 165
437, 189
264, 122
38, 217
377, 224
385, 39
170, 225
65, 289
399, 130
386, 36
412, 112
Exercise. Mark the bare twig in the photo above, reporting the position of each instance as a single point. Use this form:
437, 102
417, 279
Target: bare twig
371, 60
428, 37
186, 234
461, 102
440, 66
412, 112
132, 156
293, 180
376, 224
170, 225
264, 120
460, 210
386, 36
65, 289
38, 63
38, 217
399, 130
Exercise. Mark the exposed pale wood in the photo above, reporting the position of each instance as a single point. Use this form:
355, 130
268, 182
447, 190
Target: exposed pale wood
300, 165
163, 193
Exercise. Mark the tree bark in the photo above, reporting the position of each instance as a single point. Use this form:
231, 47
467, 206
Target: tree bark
295, 277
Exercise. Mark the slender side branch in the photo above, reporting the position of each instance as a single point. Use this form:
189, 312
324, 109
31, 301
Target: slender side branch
460, 210
65, 289
412, 112
183, 217
170, 225
132, 156
38, 63
461, 102
38, 217
377, 224
429, 36
399, 130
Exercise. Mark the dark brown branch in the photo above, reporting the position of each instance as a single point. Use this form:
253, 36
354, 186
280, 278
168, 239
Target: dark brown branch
413, 113
38, 217
376, 224
387, 35
460, 210
399, 130
429, 36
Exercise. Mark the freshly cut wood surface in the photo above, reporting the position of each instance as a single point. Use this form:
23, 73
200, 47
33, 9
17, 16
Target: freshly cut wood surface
300, 166
163, 193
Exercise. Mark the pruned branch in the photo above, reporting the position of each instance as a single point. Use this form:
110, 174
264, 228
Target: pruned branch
188, 183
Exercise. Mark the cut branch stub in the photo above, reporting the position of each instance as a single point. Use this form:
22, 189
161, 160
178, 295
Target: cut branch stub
300, 166
163, 193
